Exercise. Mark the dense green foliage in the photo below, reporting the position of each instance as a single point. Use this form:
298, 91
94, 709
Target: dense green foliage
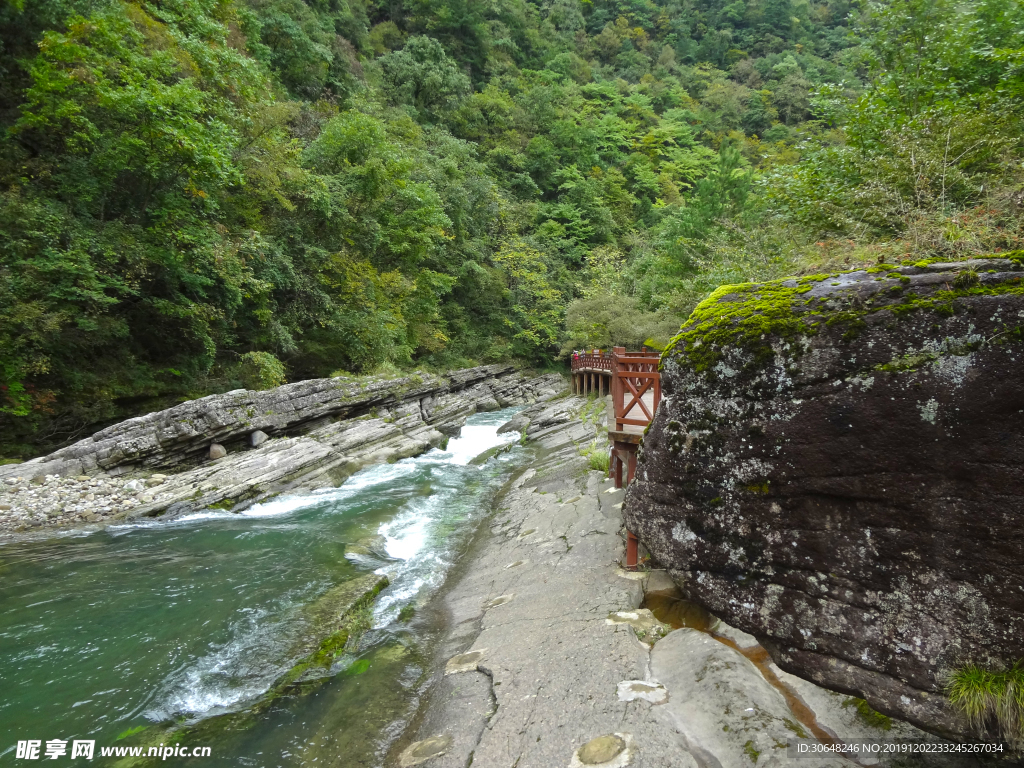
197, 195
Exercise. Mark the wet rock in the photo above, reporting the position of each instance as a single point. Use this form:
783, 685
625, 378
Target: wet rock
612, 751
641, 620
517, 423
370, 552
327, 613
375, 546
465, 662
836, 469
422, 751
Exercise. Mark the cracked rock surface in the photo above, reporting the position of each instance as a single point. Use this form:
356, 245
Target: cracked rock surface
551, 667
836, 468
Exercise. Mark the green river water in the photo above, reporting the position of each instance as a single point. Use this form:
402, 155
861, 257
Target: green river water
106, 631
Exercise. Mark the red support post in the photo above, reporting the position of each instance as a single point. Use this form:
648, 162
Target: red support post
634, 374
632, 551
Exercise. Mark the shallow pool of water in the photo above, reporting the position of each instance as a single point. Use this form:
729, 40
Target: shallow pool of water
107, 631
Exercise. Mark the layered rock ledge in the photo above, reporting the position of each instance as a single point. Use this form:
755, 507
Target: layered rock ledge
549, 659
300, 436
836, 468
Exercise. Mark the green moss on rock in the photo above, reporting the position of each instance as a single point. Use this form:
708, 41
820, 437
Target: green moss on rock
751, 751
744, 315
753, 316
869, 716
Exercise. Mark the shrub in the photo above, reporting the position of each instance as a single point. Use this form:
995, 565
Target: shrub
260, 370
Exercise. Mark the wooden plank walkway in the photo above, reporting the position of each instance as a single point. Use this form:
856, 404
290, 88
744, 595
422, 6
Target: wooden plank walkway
636, 412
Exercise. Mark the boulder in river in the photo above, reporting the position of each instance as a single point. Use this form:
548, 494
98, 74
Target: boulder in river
837, 468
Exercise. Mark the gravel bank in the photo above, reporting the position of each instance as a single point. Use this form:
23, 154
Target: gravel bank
64, 501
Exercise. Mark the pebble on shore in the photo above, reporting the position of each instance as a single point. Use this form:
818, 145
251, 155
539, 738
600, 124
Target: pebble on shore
27, 504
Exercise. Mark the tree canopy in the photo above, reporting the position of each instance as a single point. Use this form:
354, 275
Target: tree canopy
197, 195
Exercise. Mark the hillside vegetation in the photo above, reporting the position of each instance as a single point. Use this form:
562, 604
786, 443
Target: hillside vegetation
197, 195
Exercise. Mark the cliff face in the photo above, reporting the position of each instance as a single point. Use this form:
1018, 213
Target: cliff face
837, 468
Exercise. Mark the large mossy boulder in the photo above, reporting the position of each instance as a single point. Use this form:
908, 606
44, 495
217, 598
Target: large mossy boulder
837, 467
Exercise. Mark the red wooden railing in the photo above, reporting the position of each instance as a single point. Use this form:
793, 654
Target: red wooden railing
635, 387
601, 361
589, 371
634, 374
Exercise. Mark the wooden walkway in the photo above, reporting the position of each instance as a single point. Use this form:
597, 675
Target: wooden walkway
635, 413
591, 372
635, 385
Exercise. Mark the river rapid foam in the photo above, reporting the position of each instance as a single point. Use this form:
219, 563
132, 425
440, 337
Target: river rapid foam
185, 619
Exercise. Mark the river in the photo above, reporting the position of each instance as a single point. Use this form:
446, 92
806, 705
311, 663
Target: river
106, 632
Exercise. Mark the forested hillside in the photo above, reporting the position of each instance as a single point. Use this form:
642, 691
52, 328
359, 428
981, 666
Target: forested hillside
197, 195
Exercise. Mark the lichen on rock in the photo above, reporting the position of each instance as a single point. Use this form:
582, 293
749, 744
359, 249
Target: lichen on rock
836, 469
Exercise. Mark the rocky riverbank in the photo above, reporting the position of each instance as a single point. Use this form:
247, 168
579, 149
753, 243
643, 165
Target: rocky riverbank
233, 450
555, 656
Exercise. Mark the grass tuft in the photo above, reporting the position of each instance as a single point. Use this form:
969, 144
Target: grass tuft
987, 697
598, 457
968, 278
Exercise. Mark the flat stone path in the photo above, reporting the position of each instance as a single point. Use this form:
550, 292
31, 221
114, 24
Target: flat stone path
548, 660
